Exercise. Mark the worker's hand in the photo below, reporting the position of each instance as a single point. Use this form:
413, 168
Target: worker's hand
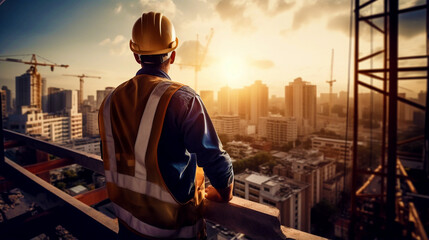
223, 195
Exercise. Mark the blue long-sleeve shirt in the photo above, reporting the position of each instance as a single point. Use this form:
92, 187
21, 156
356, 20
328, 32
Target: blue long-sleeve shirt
189, 138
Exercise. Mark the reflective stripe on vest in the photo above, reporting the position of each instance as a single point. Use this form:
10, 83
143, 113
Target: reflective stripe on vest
138, 182
142, 201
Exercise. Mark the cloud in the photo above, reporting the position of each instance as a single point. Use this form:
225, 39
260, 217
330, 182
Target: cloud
412, 24
340, 23
117, 46
167, 7
104, 42
315, 10
187, 52
261, 63
240, 12
274, 7
118, 8
233, 11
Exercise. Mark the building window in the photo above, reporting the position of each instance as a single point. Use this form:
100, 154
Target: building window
271, 203
238, 181
254, 195
266, 189
254, 187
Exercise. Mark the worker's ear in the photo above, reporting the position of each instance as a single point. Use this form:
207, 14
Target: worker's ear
172, 57
137, 58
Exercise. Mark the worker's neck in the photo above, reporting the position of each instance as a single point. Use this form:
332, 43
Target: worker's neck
164, 68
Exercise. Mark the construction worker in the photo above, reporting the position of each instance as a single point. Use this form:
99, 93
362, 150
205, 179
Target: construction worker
157, 139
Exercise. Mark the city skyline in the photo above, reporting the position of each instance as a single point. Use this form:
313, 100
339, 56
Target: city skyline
93, 39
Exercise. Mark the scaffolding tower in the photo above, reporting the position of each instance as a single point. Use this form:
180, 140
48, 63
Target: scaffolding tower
382, 203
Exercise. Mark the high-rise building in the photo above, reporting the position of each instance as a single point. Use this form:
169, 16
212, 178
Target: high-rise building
300, 98
91, 128
278, 130
258, 101
227, 124
208, 99
228, 101
244, 103
44, 95
91, 101
101, 94
28, 88
55, 100
289, 196
3, 103
8, 96
62, 101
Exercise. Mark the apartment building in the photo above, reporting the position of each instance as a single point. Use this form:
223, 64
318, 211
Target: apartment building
338, 150
54, 127
278, 130
289, 196
308, 166
227, 124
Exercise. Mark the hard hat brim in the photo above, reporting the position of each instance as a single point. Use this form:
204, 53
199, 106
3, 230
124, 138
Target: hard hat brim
135, 48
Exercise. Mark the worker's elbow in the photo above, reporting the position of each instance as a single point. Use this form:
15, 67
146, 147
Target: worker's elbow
226, 193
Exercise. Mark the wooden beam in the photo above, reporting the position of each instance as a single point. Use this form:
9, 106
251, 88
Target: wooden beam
93, 197
87, 160
42, 167
12, 144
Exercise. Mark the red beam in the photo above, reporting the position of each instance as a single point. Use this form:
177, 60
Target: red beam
12, 144
42, 167
93, 197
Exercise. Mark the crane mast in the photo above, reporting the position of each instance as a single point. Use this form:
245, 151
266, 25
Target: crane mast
81, 87
199, 62
331, 83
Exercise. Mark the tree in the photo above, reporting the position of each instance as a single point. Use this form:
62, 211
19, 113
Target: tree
60, 185
251, 163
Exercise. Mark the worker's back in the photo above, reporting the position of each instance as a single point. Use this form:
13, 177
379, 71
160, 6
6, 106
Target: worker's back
131, 121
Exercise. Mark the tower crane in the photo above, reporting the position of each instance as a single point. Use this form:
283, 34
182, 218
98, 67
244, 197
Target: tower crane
34, 63
36, 82
331, 83
199, 62
81, 77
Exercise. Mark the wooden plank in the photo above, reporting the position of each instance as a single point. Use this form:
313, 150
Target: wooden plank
42, 167
90, 161
12, 144
256, 220
108, 223
93, 197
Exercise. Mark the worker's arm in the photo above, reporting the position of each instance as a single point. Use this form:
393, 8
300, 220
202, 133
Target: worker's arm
201, 138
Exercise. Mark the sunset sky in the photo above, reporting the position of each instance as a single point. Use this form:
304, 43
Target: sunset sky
274, 41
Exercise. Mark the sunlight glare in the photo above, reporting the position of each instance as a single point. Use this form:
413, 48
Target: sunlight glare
233, 70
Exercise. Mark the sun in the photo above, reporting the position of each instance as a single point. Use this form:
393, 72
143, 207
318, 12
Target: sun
233, 70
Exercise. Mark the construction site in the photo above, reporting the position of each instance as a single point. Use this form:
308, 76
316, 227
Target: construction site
368, 161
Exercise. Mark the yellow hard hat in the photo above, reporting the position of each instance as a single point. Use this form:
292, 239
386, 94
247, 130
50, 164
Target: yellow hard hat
153, 34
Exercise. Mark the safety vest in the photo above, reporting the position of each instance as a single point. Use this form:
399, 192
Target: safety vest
130, 123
